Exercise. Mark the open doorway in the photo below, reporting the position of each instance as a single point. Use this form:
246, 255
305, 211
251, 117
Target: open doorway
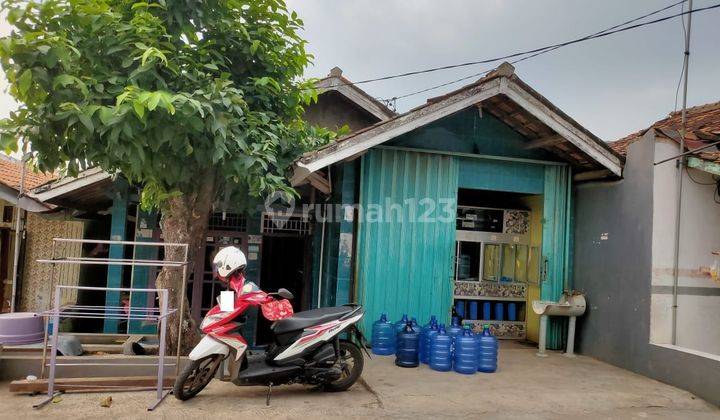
498, 261
283, 266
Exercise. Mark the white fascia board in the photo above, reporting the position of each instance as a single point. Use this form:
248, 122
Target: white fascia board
562, 126
71, 184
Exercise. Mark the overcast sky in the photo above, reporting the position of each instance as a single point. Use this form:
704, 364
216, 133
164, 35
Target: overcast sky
612, 86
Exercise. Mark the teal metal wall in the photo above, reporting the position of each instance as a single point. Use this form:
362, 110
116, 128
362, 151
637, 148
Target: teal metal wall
556, 244
404, 261
499, 175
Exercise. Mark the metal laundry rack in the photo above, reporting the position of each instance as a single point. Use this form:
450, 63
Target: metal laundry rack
107, 312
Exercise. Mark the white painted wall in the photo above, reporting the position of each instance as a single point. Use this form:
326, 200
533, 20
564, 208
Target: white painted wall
698, 312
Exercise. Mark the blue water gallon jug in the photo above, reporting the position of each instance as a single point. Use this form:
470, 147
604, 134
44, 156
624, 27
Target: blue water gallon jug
423, 335
383, 337
408, 343
473, 310
487, 351
400, 325
512, 312
440, 350
499, 311
455, 329
487, 310
460, 308
414, 324
466, 352
425, 342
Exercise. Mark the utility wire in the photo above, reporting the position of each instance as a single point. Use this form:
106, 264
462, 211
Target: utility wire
535, 50
544, 51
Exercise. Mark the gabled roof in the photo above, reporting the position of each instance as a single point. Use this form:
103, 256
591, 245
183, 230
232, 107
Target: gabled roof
11, 172
10, 176
335, 81
702, 127
501, 93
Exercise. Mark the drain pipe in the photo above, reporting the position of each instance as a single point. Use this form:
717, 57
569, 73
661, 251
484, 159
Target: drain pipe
322, 245
680, 164
18, 231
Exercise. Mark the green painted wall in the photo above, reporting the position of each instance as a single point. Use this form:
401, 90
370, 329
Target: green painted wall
469, 132
404, 260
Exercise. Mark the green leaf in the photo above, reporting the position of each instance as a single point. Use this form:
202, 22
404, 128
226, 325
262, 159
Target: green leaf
86, 122
139, 109
153, 101
23, 84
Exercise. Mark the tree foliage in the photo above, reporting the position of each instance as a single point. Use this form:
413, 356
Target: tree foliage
167, 92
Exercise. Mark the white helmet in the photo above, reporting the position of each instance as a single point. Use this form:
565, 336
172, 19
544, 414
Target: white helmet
227, 261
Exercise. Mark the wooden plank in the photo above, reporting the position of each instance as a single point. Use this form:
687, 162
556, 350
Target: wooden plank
590, 175
319, 183
704, 165
23, 386
544, 142
562, 127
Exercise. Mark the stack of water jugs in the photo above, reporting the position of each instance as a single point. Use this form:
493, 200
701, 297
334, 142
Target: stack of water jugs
453, 348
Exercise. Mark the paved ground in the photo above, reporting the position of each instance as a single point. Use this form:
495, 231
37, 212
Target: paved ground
524, 387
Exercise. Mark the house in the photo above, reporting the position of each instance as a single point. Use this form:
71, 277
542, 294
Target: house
109, 208
463, 203
641, 316
39, 223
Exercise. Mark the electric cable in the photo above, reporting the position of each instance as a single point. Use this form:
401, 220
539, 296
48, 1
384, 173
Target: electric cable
544, 51
535, 50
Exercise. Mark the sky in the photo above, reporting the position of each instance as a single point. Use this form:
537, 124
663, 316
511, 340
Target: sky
613, 86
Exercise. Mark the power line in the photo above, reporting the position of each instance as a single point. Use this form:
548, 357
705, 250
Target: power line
546, 50
535, 50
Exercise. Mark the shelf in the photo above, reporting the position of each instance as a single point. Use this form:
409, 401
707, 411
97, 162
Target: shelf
492, 298
479, 321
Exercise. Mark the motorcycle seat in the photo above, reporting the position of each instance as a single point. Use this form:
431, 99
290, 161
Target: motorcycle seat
304, 319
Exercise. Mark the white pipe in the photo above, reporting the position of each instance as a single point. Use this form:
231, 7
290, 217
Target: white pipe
543, 334
18, 231
569, 352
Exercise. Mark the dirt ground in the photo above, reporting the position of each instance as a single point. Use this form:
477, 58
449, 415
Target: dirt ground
524, 387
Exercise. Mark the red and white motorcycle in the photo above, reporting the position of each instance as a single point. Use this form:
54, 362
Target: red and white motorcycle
307, 347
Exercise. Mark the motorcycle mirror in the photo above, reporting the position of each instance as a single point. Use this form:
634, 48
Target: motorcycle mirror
285, 293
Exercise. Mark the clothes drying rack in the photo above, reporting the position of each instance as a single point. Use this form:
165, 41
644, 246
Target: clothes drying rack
152, 314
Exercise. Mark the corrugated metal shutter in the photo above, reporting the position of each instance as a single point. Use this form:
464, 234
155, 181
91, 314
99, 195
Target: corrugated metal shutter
405, 253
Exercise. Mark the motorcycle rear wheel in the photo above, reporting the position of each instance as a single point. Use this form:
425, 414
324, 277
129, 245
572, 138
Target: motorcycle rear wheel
353, 362
195, 376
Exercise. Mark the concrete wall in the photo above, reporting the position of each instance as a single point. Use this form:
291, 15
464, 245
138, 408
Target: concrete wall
613, 265
698, 312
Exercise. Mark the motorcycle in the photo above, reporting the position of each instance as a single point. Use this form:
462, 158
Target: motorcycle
307, 346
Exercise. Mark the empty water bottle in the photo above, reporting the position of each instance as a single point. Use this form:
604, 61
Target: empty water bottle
407, 347
400, 325
440, 350
383, 337
512, 311
425, 343
487, 310
473, 310
423, 334
466, 353
488, 351
455, 329
499, 311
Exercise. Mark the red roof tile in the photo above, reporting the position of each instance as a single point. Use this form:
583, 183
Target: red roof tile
703, 123
10, 172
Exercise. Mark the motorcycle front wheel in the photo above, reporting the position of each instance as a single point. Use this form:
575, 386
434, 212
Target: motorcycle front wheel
352, 363
195, 377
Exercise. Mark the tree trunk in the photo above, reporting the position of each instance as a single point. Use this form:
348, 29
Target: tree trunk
184, 219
